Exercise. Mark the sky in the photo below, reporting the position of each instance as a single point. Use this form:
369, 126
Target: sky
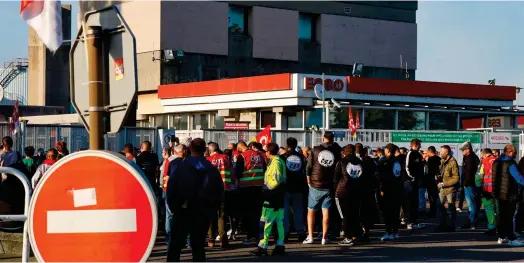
464, 42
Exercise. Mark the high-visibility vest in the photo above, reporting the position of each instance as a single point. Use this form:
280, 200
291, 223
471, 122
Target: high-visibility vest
253, 174
223, 164
487, 180
166, 174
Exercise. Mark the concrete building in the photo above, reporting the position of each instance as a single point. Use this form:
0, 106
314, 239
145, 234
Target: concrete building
214, 40
49, 72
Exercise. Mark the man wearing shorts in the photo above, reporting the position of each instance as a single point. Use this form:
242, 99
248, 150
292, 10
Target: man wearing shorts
320, 173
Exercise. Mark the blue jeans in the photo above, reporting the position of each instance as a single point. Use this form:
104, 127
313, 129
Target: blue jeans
296, 201
169, 220
422, 199
470, 193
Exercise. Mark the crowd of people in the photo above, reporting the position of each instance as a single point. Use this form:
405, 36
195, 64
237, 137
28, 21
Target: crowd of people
204, 192
249, 188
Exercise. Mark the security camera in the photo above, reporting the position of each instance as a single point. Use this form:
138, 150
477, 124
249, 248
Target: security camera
335, 103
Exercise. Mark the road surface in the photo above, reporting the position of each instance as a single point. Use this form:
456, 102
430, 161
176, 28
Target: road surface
417, 245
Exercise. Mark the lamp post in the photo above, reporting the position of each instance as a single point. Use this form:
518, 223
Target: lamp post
323, 99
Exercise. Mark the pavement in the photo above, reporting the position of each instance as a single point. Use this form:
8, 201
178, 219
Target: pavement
413, 245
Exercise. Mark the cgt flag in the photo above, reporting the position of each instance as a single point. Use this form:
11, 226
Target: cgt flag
263, 137
351, 124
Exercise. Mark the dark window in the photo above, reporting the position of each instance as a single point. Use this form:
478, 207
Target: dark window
306, 27
444, 121
379, 119
237, 20
295, 121
267, 118
411, 120
339, 118
314, 117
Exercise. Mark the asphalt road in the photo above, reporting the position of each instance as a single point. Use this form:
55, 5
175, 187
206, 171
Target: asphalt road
417, 245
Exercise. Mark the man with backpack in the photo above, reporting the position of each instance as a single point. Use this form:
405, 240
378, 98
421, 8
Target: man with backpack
194, 194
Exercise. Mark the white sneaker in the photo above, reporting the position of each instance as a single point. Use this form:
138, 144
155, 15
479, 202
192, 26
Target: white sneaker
309, 240
395, 236
516, 243
325, 241
387, 237
503, 241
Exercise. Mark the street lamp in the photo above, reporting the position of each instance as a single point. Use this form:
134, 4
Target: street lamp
323, 99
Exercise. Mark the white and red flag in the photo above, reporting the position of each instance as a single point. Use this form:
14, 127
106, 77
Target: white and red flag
15, 120
45, 17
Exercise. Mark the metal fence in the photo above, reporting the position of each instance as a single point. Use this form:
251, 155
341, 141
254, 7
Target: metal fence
224, 137
76, 137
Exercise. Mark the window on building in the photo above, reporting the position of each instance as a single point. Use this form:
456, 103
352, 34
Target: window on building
295, 121
200, 121
218, 122
237, 20
306, 27
161, 121
411, 120
444, 121
180, 122
379, 119
267, 118
314, 117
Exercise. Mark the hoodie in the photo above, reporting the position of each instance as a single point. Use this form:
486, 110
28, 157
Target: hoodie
194, 186
41, 170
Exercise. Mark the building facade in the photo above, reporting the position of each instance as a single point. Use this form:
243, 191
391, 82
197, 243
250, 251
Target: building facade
288, 102
214, 40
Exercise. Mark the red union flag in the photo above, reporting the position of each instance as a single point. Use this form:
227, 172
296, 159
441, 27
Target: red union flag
263, 137
45, 17
351, 124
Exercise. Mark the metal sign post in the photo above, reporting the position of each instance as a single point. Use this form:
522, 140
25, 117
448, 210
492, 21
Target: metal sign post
103, 57
94, 58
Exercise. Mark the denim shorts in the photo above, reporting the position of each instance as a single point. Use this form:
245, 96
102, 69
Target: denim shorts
319, 198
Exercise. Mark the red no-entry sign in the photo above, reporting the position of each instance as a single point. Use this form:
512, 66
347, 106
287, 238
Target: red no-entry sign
93, 206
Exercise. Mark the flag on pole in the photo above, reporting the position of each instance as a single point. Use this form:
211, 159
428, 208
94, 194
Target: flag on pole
357, 124
351, 124
263, 137
15, 120
45, 17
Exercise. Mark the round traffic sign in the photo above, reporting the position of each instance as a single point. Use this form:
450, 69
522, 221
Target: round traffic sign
93, 206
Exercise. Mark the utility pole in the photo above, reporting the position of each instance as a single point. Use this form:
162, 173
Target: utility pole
94, 46
323, 104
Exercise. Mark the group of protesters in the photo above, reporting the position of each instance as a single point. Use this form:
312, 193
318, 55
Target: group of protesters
250, 188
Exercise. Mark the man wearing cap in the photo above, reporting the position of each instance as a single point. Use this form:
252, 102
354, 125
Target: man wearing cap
470, 163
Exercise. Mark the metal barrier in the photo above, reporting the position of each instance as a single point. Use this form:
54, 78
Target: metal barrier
76, 137
26, 249
224, 137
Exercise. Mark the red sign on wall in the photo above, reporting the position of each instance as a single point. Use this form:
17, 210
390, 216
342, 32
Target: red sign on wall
331, 84
236, 125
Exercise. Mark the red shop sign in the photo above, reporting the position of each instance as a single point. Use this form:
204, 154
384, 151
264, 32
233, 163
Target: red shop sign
236, 125
331, 84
